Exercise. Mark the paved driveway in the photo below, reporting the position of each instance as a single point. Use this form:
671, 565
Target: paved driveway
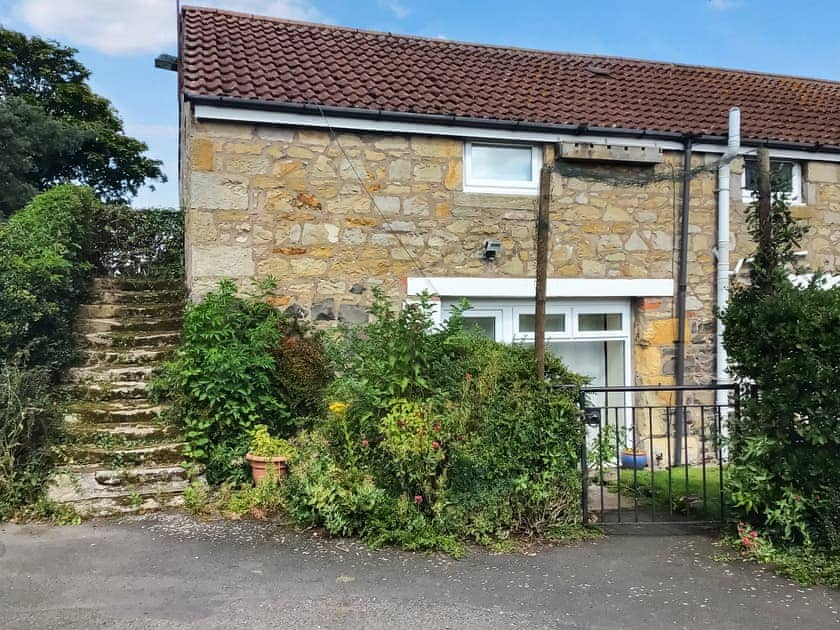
167, 571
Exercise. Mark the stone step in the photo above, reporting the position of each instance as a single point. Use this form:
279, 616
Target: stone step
128, 324
116, 296
137, 284
125, 391
127, 339
169, 453
104, 373
101, 491
119, 311
127, 357
120, 433
113, 411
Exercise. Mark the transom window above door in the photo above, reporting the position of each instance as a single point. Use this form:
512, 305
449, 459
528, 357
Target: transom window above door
512, 169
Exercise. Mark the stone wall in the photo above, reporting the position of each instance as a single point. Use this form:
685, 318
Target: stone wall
330, 218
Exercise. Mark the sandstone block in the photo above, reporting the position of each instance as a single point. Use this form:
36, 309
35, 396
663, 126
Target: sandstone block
428, 172
319, 233
400, 170
437, 147
387, 204
279, 134
313, 137
222, 261
201, 154
823, 172
308, 267
212, 191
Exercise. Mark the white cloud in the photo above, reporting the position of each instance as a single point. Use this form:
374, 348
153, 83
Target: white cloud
724, 5
396, 7
125, 27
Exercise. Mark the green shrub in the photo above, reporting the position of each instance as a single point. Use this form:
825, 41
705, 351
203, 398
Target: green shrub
785, 449
320, 492
225, 378
44, 263
263, 444
438, 436
783, 344
304, 372
30, 425
146, 242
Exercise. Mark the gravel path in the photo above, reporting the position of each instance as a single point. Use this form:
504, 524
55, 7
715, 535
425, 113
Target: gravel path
169, 571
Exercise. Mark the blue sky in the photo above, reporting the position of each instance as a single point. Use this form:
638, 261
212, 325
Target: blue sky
118, 40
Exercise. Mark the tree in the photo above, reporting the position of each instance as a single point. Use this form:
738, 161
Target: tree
54, 128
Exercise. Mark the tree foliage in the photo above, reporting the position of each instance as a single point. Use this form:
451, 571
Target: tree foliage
54, 128
783, 344
44, 264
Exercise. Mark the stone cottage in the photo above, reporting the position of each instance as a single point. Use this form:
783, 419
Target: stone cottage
336, 160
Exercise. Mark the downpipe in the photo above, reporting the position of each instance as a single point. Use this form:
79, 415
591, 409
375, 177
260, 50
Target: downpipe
723, 230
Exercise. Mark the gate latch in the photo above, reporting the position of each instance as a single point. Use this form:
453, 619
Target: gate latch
592, 416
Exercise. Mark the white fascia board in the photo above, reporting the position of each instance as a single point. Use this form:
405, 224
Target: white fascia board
791, 154
257, 116
555, 288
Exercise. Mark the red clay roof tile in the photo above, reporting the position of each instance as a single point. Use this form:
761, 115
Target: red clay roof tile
256, 58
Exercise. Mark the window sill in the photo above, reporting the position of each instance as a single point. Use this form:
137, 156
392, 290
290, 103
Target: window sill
501, 190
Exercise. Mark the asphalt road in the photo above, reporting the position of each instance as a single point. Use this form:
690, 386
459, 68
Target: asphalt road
167, 571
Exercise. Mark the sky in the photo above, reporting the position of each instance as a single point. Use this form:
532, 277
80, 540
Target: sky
119, 39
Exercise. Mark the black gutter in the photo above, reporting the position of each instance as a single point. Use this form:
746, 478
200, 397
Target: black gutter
488, 123
682, 285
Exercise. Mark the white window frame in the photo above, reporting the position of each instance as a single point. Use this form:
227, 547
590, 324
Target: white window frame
550, 309
795, 198
495, 313
502, 186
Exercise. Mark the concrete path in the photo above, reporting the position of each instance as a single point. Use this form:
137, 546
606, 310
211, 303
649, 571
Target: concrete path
167, 571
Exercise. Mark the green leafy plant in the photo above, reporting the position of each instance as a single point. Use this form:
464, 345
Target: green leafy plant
30, 427
263, 444
226, 378
44, 251
782, 342
438, 435
146, 242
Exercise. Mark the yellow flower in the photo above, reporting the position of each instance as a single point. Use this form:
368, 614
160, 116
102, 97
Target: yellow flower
338, 408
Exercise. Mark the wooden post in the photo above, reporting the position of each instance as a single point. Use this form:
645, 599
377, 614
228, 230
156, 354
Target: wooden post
542, 262
765, 234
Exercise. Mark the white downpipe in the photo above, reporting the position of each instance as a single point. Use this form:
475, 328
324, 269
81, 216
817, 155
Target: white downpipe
732, 149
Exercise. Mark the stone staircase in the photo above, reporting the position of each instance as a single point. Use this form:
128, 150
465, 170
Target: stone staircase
120, 457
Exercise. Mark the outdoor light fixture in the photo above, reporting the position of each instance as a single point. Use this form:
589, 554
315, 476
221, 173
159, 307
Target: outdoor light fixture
491, 248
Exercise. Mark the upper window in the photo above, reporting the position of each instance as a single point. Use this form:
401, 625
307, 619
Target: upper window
501, 168
785, 177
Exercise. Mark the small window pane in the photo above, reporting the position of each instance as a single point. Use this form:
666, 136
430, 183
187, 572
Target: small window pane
589, 322
483, 325
781, 176
501, 163
553, 323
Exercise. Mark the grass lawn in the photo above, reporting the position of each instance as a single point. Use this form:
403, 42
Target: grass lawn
686, 500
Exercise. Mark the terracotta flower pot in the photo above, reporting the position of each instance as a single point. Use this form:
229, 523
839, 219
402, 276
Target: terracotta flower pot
260, 465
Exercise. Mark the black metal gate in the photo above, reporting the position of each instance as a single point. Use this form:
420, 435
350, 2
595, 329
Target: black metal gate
655, 454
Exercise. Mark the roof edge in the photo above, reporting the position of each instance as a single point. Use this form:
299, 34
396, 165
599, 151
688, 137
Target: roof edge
493, 123
524, 49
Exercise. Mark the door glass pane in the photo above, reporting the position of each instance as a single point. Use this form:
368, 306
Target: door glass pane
553, 323
589, 322
483, 325
601, 361
501, 163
